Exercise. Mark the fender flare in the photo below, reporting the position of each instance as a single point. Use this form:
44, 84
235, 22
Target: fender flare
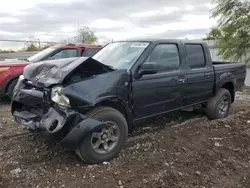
125, 104
223, 79
128, 108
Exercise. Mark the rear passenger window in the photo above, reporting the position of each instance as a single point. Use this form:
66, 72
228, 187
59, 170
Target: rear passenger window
166, 57
89, 52
195, 56
65, 53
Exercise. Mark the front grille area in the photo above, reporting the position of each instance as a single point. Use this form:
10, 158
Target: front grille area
29, 95
30, 85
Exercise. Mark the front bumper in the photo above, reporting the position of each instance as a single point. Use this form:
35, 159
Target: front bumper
31, 108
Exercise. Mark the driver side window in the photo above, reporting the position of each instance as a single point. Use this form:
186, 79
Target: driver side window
66, 53
166, 57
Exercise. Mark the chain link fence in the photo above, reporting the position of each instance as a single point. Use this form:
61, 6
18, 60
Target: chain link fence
22, 49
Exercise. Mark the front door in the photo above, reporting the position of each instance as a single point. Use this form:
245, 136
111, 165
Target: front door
157, 93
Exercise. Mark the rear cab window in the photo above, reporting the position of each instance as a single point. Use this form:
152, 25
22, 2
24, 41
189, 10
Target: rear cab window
195, 56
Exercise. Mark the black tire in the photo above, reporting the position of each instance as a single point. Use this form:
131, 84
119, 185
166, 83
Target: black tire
85, 149
213, 105
11, 87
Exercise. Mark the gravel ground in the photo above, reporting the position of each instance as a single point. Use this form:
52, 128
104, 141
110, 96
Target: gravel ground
181, 149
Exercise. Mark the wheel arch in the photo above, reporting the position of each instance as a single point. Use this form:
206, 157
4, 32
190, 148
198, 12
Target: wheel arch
226, 81
7, 84
119, 105
230, 87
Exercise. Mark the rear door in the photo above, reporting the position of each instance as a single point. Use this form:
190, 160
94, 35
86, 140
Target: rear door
199, 73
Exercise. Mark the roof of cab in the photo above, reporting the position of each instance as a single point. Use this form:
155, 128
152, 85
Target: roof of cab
63, 45
160, 40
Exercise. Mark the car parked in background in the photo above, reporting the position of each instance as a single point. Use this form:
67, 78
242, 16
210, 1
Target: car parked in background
10, 70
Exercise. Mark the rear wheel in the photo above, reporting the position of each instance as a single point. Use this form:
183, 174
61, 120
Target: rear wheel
104, 144
219, 106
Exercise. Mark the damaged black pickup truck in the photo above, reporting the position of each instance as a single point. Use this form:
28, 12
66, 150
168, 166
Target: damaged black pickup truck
90, 104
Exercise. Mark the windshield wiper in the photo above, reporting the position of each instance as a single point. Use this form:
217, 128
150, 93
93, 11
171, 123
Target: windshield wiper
110, 67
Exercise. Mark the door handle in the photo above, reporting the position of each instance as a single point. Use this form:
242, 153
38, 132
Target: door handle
181, 78
207, 74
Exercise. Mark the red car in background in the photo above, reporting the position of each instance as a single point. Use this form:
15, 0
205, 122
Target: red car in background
10, 70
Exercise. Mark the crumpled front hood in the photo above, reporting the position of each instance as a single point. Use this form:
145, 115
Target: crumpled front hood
50, 72
91, 90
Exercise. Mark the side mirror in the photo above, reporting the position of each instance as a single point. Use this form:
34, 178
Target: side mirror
148, 68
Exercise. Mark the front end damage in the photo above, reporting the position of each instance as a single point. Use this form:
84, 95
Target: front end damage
51, 97
32, 107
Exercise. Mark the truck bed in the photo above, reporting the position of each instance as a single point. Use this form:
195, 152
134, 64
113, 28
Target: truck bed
223, 62
238, 71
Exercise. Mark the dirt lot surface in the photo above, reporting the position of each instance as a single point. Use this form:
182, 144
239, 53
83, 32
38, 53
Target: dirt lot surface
183, 149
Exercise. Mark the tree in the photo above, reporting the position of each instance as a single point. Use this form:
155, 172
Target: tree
214, 34
47, 45
30, 46
85, 35
233, 22
33, 45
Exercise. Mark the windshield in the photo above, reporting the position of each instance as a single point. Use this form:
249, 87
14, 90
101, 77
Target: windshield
41, 55
120, 55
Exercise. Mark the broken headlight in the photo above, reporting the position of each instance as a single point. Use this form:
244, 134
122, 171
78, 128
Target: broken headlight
58, 97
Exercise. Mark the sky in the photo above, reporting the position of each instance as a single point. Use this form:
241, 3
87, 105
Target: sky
57, 20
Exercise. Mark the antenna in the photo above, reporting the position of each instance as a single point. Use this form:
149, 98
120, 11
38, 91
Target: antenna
78, 32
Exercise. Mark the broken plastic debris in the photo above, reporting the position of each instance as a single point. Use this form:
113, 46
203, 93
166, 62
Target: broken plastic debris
217, 144
16, 171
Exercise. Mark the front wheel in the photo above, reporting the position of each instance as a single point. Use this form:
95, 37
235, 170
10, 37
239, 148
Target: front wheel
104, 144
11, 87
